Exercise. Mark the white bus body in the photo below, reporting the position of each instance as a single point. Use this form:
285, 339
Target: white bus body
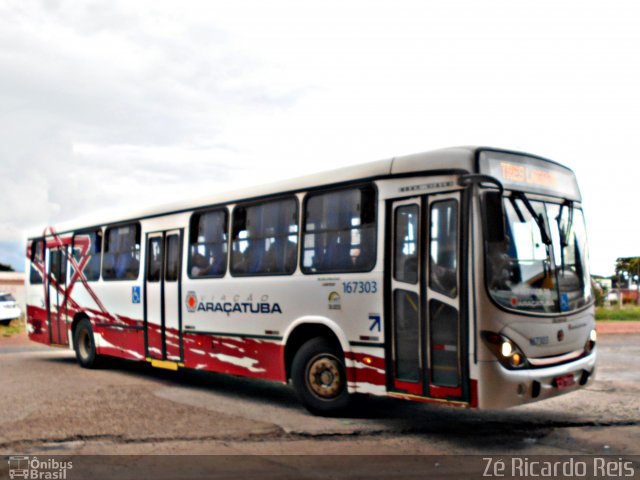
457, 276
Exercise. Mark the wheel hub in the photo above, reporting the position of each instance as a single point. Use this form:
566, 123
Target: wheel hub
324, 377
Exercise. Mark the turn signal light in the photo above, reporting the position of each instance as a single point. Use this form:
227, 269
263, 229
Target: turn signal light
516, 359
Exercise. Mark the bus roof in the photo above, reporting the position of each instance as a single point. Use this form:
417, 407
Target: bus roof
461, 159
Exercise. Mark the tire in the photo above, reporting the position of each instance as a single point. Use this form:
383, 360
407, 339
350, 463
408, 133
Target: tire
5, 322
85, 345
320, 378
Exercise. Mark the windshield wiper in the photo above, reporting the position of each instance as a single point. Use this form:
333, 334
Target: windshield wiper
544, 235
564, 232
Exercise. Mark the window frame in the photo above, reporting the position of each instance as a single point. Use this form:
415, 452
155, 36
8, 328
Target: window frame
266, 200
84, 232
324, 191
147, 266
166, 252
458, 238
394, 272
105, 242
32, 257
229, 225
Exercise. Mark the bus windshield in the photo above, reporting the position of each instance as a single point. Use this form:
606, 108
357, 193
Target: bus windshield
542, 265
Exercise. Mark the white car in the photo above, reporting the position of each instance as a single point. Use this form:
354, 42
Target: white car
9, 309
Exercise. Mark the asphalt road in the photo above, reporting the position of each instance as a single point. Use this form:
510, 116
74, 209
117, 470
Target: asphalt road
52, 406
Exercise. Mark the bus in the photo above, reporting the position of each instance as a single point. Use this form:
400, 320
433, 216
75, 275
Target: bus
458, 276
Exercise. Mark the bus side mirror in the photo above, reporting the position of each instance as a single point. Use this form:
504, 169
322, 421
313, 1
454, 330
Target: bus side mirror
493, 213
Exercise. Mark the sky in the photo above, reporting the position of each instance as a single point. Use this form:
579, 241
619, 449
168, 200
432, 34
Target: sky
134, 103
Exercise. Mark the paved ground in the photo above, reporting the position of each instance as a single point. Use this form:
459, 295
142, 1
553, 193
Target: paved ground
51, 406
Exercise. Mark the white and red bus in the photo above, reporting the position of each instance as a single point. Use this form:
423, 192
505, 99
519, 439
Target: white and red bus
458, 276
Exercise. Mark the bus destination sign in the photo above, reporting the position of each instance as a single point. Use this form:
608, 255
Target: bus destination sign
529, 174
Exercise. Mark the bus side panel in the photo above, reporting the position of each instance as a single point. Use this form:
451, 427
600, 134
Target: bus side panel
120, 342
247, 357
366, 370
37, 324
118, 304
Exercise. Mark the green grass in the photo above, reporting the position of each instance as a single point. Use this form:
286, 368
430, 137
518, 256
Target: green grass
628, 312
14, 328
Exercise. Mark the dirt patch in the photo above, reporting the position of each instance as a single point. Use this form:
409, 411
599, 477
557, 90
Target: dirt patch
126, 413
618, 327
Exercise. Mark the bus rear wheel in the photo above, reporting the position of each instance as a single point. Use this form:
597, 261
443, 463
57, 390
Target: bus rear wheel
320, 377
85, 345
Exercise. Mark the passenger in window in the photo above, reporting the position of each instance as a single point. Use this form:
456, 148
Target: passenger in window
200, 266
355, 256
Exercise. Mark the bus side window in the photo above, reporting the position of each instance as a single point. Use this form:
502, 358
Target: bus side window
122, 253
87, 248
339, 231
208, 244
265, 238
37, 262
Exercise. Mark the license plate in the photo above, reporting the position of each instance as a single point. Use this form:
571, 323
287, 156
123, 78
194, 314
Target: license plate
564, 381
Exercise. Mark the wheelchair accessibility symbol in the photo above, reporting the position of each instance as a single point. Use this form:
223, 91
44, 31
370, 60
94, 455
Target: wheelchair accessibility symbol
135, 294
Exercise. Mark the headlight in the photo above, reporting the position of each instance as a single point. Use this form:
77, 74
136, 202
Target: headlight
507, 352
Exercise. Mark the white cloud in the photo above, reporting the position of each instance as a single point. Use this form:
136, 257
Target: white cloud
122, 102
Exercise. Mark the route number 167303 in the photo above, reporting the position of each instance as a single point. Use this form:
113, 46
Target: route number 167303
360, 287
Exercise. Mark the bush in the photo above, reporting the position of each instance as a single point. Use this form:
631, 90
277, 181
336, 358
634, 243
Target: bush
617, 313
599, 293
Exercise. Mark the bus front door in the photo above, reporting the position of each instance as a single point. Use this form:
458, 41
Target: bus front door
425, 297
163, 320
56, 304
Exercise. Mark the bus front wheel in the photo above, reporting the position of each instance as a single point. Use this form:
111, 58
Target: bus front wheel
320, 378
85, 345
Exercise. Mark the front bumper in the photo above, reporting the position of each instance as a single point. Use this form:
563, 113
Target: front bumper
501, 388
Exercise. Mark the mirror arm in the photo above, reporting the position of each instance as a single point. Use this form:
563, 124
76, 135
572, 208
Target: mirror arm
484, 181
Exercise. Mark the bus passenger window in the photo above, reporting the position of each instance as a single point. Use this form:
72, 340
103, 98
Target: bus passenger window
122, 253
265, 238
208, 244
339, 231
87, 252
37, 262
443, 248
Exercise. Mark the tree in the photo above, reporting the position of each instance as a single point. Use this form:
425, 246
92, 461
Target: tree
6, 268
628, 272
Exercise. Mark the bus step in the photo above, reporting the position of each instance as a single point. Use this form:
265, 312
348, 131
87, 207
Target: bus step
166, 364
